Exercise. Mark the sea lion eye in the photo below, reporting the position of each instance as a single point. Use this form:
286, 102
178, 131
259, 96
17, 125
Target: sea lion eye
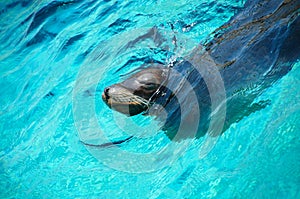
148, 81
150, 86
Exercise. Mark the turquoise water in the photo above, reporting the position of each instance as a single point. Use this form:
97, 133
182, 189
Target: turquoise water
54, 58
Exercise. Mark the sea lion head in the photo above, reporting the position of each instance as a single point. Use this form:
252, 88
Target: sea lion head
134, 95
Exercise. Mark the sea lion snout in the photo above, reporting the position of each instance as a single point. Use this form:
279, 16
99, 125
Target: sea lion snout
111, 92
105, 94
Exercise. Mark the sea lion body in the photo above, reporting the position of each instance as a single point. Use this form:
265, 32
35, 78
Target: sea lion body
255, 48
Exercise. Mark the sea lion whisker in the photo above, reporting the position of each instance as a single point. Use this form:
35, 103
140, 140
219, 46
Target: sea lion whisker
132, 99
141, 100
123, 96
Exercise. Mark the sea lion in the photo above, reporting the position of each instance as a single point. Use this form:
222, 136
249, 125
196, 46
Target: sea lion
250, 52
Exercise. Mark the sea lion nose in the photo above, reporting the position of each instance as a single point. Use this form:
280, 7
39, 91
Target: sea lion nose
105, 94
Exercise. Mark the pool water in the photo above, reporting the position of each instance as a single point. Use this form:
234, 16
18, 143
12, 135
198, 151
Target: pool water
55, 59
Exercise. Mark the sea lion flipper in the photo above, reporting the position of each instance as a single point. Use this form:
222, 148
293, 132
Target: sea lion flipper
108, 144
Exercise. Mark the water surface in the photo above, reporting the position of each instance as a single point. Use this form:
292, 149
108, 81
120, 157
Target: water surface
53, 49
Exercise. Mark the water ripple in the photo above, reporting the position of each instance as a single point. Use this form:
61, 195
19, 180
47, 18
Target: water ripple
44, 44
